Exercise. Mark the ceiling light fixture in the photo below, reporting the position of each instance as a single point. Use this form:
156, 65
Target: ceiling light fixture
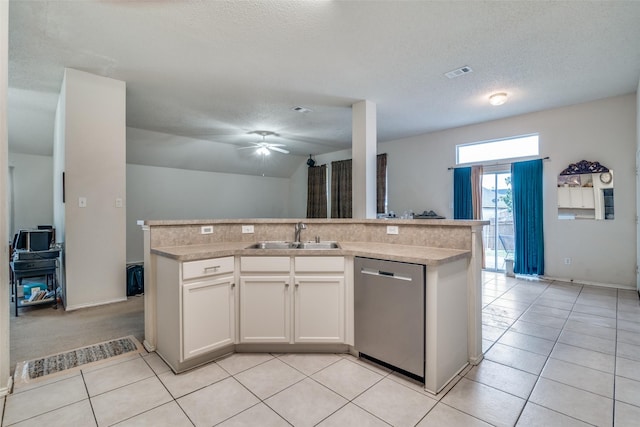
498, 98
264, 151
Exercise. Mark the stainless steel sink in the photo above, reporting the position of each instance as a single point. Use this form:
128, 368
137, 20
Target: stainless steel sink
319, 245
294, 245
274, 245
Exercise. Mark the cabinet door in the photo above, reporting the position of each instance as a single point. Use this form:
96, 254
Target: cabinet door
564, 197
265, 309
208, 317
588, 199
319, 309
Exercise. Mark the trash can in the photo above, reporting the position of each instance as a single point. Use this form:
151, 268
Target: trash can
508, 265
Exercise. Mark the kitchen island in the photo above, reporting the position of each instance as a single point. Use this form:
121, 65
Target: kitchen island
212, 293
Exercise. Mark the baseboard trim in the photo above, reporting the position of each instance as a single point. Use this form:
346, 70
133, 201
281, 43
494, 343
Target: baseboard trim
79, 306
4, 391
588, 283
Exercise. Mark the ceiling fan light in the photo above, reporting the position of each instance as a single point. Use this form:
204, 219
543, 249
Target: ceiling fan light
498, 98
263, 151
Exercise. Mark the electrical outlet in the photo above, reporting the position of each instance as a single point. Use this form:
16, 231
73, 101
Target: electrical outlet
392, 229
567, 261
82, 202
119, 202
247, 229
206, 229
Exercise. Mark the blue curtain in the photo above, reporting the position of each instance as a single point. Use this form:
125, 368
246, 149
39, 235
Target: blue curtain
526, 178
462, 198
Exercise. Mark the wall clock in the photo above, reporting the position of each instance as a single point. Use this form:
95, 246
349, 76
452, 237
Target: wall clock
605, 177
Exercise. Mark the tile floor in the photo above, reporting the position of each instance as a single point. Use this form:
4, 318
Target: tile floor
556, 355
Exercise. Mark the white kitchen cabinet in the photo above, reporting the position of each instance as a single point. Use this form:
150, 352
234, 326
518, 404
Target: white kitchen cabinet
274, 311
319, 309
265, 314
576, 197
207, 316
196, 306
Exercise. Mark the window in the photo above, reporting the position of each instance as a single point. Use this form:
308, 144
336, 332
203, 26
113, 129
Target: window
509, 148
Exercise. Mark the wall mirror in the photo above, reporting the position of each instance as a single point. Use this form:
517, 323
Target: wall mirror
585, 191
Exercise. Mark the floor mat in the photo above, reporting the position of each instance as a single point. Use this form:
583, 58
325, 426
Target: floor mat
37, 368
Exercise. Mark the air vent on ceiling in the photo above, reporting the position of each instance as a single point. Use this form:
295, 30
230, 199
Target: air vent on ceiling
458, 72
301, 109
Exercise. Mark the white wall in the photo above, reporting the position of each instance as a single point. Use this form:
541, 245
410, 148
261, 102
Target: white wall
94, 139
604, 131
32, 190
5, 379
156, 193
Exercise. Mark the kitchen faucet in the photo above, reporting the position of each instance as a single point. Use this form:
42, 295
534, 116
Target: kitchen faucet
299, 227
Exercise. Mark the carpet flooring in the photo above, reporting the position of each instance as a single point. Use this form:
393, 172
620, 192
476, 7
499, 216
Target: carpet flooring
42, 331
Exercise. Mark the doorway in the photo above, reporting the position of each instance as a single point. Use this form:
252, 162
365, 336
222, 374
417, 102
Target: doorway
497, 208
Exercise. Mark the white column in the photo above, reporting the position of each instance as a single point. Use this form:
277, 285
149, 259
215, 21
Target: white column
364, 139
5, 378
150, 301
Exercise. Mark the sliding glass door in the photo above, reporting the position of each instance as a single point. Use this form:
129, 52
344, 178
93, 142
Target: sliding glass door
497, 207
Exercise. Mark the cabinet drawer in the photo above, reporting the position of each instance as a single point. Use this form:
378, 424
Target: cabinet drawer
207, 267
265, 263
319, 264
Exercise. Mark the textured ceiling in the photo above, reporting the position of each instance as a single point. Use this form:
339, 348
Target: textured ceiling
210, 72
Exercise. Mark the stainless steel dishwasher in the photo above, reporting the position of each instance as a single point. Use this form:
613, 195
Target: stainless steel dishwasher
389, 319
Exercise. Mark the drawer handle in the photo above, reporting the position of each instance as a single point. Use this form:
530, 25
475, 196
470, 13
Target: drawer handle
215, 267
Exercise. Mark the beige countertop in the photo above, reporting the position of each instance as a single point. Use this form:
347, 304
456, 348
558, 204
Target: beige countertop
394, 221
403, 253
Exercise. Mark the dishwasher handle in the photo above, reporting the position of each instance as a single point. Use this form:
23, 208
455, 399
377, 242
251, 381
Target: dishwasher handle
381, 273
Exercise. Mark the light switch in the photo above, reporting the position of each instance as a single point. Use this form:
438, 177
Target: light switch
82, 202
118, 202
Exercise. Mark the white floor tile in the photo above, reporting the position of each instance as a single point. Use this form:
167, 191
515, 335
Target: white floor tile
551, 302
486, 403
169, 414
581, 356
217, 402
581, 377
76, 414
394, 403
306, 403
527, 342
48, 397
626, 415
628, 391
128, 401
239, 362
536, 330
595, 310
309, 363
352, 415
269, 378
628, 368
492, 333
156, 363
516, 358
589, 329
102, 380
346, 378
628, 351
535, 415
502, 377
258, 415
628, 337
195, 379
589, 342
548, 311
588, 407
443, 415
544, 320
591, 319
497, 310
497, 321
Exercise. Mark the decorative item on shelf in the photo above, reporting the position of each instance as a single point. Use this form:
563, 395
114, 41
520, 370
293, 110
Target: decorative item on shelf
605, 177
311, 163
584, 166
428, 215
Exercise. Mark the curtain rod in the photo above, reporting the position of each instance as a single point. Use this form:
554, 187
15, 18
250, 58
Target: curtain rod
493, 164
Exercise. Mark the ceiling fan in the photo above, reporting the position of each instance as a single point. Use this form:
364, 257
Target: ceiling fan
263, 147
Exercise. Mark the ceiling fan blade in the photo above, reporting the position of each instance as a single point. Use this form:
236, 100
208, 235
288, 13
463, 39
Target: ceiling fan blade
244, 148
279, 150
276, 145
